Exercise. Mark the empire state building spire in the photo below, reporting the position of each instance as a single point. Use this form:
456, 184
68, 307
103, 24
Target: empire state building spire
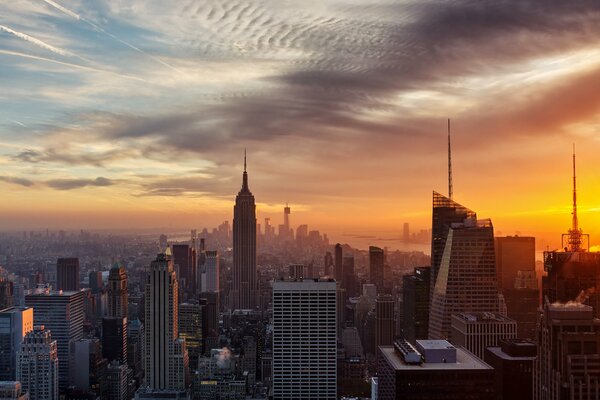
244, 284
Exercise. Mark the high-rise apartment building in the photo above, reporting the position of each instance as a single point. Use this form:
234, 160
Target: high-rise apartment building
37, 364
15, 323
385, 321
304, 339
415, 294
466, 280
118, 294
165, 354
67, 274
568, 361
376, 261
477, 331
243, 294
62, 313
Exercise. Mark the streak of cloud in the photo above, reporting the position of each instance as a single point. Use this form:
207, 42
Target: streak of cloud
69, 184
37, 42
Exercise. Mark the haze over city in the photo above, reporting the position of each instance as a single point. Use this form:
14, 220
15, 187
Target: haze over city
132, 115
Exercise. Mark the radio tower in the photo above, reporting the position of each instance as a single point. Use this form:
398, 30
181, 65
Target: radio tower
449, 164
575, 234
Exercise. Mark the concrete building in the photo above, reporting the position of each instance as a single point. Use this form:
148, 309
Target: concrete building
568, 362
385, 321
477, 331
116, 382
12, 390
433, 369
512, 361
165, 354
37, 365
210, 272
15, 323
118, 294
62, 313
114, 339
304, 339
88, 372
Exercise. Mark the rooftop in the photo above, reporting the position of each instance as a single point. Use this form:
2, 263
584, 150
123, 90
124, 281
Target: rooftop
464, 361
482, 317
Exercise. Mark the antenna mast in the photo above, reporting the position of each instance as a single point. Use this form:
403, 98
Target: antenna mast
449, 164
575, 235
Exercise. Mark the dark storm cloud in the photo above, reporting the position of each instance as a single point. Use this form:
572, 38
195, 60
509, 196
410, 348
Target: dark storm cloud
69, 184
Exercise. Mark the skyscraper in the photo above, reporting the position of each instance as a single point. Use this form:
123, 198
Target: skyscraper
6, 293
210, 272
118, 295
15, 323
67, 274
62, 314
190, 329
568, 340
376, 260
385, 322
467, 276
415, 293
477, 331
184, 258
445, 212
114, 339
348, 277
164, 351
304, 339
338, 269
513, 254
37, 364
244, 286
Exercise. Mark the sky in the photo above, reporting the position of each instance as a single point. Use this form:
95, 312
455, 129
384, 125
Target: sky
136, 113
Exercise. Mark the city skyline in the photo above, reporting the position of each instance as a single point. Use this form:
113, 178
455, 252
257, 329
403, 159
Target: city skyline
334, 101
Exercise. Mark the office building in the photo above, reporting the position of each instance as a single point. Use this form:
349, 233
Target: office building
116, 382
135, 344
522, 303
88, 375
190, 329
445, 212
477, 331
376, 261
37, 365
62, 313
6, 293
568, 362
95, 281
165, 354
338, 267
15, 323
512, 361
304, 340
349, 278
67, 274
513, 254
12, 390
415, 296
467, 276
385, 321
243, 294
210, 272
184, 264
118, 294
114, 339
433, 369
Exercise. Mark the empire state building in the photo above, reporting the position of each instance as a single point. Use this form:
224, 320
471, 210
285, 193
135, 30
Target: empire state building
244, 289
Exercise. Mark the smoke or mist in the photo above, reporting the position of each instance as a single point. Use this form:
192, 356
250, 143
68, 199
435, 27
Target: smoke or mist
223, 357
583, 296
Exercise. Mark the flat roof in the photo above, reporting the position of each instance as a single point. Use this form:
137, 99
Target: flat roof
498, 352
464, 361
435, 344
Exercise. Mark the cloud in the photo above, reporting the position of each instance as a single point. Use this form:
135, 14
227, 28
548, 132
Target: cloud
35, 41
17, 181
69, 184
72, 157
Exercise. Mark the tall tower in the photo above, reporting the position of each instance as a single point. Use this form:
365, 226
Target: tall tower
286, 218
338, 267
118, 293
163, 351
304, 340
376, 260
244, 288
385, 321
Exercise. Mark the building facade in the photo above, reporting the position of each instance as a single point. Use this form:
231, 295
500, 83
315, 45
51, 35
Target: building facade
15, 323
67, 274
477, 331
37, 365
